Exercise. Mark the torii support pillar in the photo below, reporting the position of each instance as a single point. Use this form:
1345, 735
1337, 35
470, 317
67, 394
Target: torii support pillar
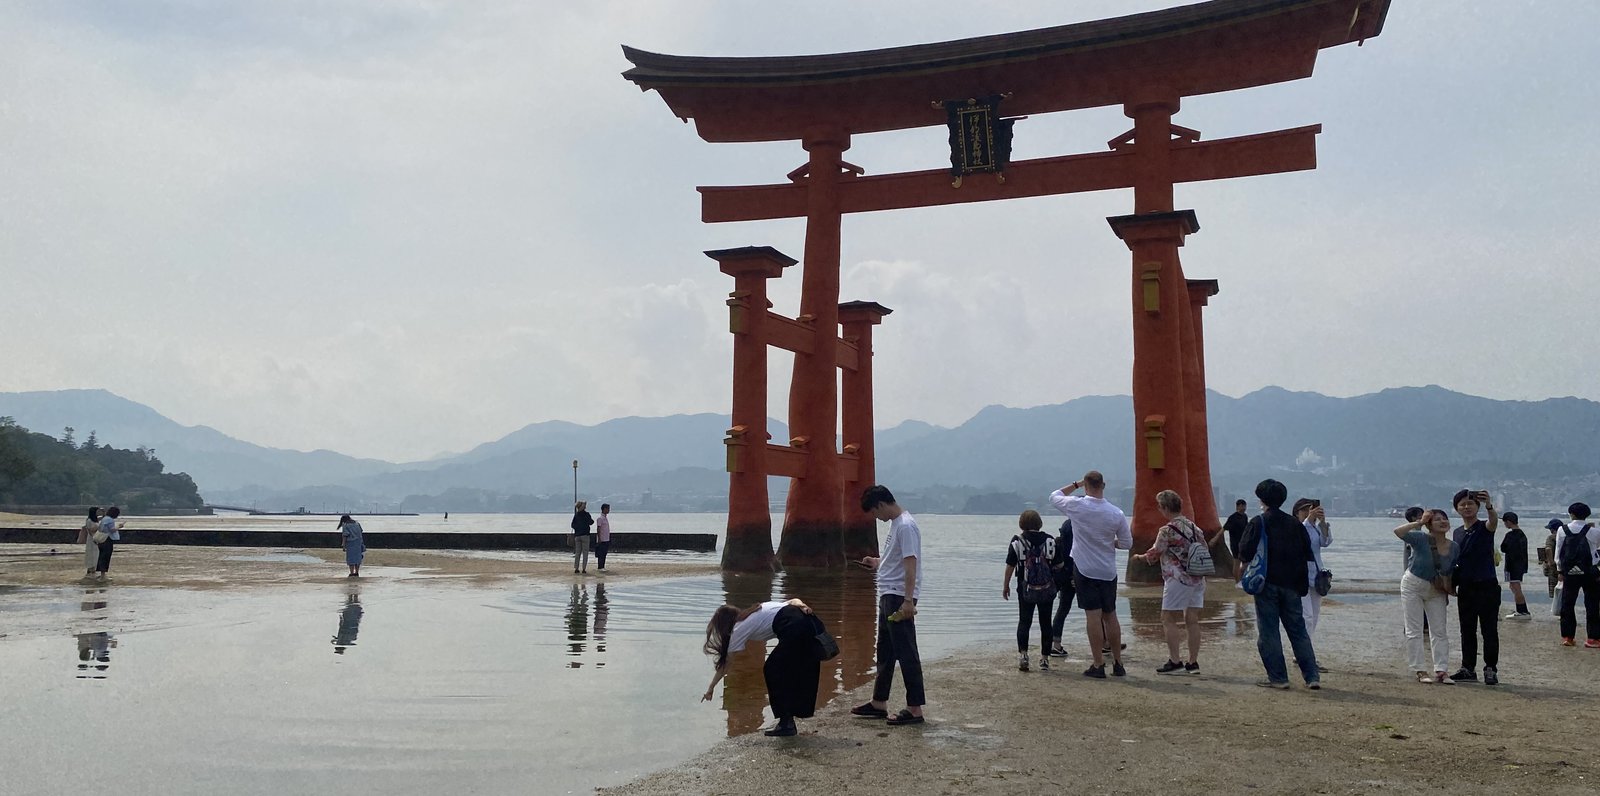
860, 529
748, 545
1160, 401
1205, 512
812, 525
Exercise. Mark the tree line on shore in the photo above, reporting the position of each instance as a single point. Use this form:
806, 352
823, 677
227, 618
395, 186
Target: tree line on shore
40, 470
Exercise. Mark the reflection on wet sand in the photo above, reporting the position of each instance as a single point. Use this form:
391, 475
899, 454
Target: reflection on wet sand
94, 649
349, 622
579, 634
1220, 616
846, 603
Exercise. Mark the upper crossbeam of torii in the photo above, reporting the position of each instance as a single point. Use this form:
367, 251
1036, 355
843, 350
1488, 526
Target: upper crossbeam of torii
1145, 63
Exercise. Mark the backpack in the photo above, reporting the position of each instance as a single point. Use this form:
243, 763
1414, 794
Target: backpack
1254, 579
1038, 580
1576, 556
1197, 562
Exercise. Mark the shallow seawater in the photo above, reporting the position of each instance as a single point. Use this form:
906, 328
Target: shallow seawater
398, 684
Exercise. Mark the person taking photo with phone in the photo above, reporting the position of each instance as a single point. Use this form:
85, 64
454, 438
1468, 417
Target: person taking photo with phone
1477, 588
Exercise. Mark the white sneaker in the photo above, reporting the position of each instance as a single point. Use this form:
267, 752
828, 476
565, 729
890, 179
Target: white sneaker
1022, 662
1519, 615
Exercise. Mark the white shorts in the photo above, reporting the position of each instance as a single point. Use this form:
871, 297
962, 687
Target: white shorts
1175, 596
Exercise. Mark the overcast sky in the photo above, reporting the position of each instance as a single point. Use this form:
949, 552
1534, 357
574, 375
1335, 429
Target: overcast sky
394, 228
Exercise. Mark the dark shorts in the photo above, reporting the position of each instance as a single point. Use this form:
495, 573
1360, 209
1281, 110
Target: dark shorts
1096, 595
1515, 575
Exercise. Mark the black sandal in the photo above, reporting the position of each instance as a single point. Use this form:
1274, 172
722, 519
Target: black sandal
904, 717
869, 711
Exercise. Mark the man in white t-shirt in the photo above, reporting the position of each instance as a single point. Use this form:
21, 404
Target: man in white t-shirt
1099, 530
899, 587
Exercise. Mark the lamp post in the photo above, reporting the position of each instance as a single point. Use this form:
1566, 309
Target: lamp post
574, 482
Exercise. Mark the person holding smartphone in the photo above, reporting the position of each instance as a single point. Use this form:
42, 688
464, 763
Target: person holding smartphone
1478, 594
1310, 514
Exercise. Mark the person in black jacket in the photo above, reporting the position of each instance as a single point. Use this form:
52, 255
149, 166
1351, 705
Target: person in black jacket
1515, 549
1235, 525
582, 521
1065, 591
1288, 550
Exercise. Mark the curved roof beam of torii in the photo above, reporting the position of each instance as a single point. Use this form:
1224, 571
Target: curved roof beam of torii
1221, 45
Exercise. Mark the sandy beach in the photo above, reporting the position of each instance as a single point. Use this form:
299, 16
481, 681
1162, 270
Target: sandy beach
244, 567
994, 730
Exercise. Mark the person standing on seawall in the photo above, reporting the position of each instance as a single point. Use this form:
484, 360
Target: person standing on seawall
1477, 588
582, 521
1234, 526
602, 536
1099, 530
91, 551
1278, 604
899, 588
1514, 549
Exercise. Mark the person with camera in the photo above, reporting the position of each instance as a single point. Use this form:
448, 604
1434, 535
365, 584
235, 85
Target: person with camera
1310, 514
1425, 592
1477, 587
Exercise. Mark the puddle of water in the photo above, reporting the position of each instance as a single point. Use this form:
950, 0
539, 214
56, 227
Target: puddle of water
279, 558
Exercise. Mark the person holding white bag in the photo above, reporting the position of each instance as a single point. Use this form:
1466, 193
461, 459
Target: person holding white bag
91, 551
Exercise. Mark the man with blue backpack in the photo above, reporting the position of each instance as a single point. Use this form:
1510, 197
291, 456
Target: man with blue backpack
1578, 567
1272, 558
1033, 558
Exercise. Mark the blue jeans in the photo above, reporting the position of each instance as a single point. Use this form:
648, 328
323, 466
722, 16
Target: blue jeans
1276, 605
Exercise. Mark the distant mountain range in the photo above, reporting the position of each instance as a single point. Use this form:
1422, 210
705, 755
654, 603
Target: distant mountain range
1397, 436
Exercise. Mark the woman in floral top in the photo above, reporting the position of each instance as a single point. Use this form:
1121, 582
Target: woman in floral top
1182, 594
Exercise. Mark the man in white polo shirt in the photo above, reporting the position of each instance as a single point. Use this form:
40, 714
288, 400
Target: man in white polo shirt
1099, 530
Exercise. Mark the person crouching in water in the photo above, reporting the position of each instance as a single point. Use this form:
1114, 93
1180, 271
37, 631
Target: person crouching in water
1034, 558
791, 669
355, 546
1182, 594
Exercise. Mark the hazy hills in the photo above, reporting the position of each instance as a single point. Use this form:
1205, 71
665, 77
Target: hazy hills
1402, 435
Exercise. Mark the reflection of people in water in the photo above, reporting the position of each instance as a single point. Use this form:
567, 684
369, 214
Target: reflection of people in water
94, 649
602, 613
577, 623
349, 623
791, 670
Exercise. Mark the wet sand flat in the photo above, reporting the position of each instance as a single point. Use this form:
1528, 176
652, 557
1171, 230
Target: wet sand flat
994, 730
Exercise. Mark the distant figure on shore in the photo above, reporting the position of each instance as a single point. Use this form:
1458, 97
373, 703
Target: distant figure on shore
1235, 525
447, 515
1033, 557
109, 533
899, 588
1182, 594
1514, 549
1477, 587
602, 536
1425, 592
91, 551
792, 668
354, 544
582, 521
1310, 514
1279, 602
1099, 530
1578, 556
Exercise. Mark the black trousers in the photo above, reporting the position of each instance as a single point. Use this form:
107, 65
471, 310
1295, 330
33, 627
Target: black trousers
1064, 596
792, 669
1590, 585
1025, 612
600, 550
103, 564
1478, 607
897, 644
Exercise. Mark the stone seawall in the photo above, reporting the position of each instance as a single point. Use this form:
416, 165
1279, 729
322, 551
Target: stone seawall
620, 542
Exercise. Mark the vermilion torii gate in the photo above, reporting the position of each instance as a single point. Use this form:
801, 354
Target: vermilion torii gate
1145, 63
